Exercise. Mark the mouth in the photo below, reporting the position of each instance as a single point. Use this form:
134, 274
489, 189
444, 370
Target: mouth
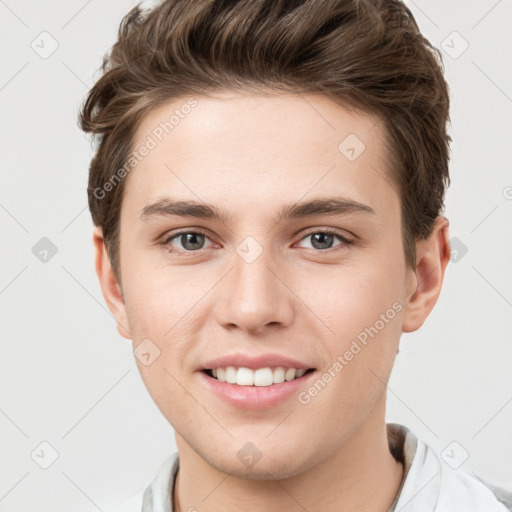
260, 377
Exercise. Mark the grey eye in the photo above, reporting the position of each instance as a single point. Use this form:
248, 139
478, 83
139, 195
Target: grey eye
192, 241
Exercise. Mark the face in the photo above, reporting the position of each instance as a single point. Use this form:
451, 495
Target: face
302, 266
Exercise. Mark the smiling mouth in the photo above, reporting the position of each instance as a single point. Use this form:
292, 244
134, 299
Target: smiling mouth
268, 376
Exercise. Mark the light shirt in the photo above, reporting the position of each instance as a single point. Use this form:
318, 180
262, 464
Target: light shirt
428, 484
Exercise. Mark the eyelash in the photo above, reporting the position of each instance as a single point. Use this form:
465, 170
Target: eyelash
344, 239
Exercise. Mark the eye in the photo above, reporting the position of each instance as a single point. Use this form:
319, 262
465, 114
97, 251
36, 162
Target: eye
190, 241
322, 240
194, 241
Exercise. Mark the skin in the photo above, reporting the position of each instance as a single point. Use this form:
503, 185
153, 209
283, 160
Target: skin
240, 151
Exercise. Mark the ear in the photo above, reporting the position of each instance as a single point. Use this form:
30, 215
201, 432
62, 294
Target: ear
432, 256
110, 287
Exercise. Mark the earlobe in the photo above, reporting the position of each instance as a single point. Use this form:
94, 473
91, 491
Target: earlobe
432, 256
110, 287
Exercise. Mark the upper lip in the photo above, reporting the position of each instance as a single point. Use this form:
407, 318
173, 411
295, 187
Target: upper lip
254, 362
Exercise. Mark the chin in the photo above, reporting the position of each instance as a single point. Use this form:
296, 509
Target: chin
253, 465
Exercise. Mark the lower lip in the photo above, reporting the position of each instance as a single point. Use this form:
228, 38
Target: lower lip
255, 397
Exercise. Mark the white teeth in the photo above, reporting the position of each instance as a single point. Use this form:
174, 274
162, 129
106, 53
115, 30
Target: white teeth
279, 375
244, 377
231, 374
290, 374
261, 377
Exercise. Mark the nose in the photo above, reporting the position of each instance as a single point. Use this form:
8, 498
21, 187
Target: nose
255, 296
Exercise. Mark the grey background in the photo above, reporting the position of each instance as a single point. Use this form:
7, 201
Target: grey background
66, 376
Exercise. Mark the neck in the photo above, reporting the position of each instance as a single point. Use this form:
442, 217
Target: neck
361, 475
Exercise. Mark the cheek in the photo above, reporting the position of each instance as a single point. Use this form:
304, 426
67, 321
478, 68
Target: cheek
160, 313
162, 306
160, 300
363, 308
350, 298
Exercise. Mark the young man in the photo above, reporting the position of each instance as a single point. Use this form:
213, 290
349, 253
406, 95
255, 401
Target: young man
267, 195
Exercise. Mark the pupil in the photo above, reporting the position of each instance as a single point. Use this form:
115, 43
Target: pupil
323, 243
190, 237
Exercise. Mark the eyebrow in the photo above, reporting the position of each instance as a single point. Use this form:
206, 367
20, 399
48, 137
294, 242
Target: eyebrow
322, 206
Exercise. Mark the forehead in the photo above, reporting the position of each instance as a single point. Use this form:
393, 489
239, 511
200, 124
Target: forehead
258, 149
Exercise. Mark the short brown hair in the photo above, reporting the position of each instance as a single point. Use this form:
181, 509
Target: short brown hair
368, 54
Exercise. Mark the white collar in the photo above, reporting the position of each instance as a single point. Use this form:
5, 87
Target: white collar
428, 484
